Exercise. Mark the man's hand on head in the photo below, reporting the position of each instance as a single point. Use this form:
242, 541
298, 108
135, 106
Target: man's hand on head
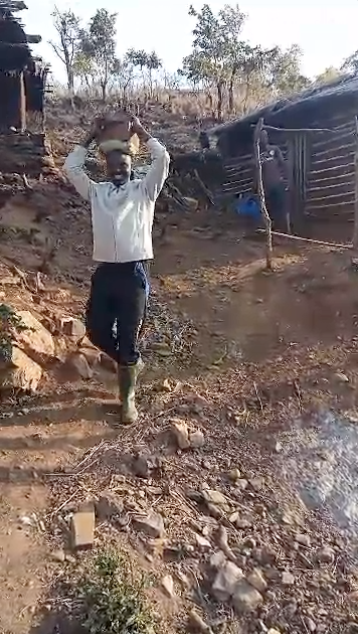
138, 129
95, 130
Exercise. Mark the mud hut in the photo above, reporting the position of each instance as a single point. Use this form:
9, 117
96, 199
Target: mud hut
22, 85
316, 131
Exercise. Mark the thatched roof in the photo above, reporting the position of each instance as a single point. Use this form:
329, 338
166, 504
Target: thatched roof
309, 108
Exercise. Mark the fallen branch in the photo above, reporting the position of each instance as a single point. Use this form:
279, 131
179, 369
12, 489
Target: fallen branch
261, 192
336, 245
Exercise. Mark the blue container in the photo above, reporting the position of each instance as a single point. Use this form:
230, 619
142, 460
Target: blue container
248, 207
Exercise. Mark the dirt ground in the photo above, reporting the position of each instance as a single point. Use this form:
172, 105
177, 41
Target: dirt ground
248, 353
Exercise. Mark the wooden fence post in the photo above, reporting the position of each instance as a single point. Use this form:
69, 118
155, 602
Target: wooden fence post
355, 231
261, 192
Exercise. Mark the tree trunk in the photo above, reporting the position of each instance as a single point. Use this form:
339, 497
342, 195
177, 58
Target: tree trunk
220, 86
231, 89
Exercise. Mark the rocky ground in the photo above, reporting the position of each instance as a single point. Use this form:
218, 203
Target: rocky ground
197, 496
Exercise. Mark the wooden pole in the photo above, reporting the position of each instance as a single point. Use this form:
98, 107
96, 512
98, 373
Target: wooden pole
261, 192
22, 103
355, 231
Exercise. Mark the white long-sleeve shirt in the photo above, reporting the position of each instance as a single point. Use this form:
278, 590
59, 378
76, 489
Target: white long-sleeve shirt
122, 217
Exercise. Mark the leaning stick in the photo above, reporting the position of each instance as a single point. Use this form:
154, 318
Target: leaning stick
261, 192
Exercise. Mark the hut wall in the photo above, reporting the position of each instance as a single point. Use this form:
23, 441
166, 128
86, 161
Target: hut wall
240, 171
331, 179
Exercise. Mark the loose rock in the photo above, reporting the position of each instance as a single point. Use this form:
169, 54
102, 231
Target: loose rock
257, 580
79, 364
326, 555
59, 555
235, 475
35, 341
304, 540
215, 497
83, 524
202, 542
168, 586
22, 373
226, 581
196, 624
246, 598
197, 440
152, 525
73, 327
181, 432
288, 578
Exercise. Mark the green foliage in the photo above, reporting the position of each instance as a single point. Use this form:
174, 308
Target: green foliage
10, 325
222, 59
112, 604
98, 48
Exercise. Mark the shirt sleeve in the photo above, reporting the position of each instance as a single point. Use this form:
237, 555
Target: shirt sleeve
158, 171
74, 169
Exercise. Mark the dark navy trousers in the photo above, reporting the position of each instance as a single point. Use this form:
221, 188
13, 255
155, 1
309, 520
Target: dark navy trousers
116, 309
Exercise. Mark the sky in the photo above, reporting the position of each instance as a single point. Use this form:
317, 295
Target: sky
326, 31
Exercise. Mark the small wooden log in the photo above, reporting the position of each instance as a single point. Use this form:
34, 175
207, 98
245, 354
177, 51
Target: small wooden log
261, 192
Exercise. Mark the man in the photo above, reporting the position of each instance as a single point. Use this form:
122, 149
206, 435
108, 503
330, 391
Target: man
122, 219
275, 177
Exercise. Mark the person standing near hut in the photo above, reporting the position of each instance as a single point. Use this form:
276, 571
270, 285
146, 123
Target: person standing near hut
122, 219
275, 178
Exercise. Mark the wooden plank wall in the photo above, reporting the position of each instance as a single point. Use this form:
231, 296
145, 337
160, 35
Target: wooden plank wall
239, 172
330, 186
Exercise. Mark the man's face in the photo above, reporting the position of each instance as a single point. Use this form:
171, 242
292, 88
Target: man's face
119, 167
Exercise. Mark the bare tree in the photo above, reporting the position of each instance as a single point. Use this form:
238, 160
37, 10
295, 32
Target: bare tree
67, 25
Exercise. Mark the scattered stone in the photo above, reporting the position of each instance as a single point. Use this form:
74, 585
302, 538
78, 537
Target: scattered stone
234, 517
83, 524
243, 524
108, 506
196, 624
326, 555
166, 386
234, 475
78, 362
303, 540
242, 484
70, 559
214, 511
246, 598
73, 327
215, 497
22, 373
257, 580
107, 363
181, 432
278, 447
141, 467
35, 341
168, 586
342, 378
152, 524
288, 578
59, 555
257, 484
202, 542
197, 440
226, 580
273, 630
217, 560
310, 624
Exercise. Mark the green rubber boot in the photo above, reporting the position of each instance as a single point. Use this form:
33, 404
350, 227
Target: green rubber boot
127, 375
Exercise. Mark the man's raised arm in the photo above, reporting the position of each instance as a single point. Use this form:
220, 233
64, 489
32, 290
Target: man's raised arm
74, 166
159, 169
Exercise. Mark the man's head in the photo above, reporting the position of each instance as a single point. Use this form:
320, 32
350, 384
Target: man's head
264, 139
119, 167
